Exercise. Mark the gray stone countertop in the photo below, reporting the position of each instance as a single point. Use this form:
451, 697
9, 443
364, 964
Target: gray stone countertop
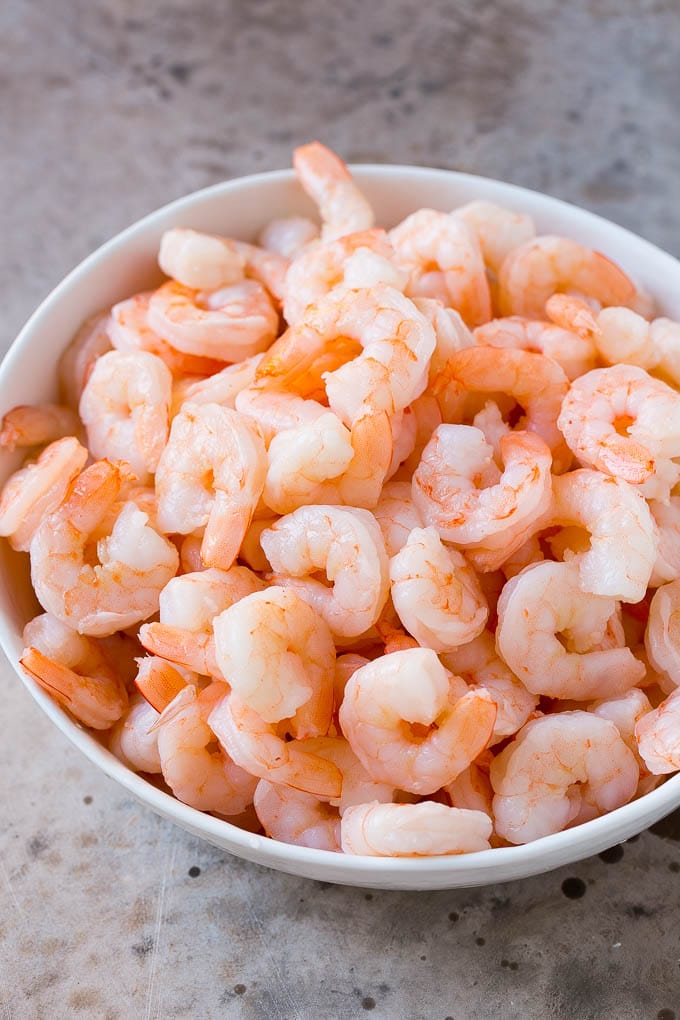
110, 108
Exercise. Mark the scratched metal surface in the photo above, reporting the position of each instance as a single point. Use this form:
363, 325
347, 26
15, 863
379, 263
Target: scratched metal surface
110, 108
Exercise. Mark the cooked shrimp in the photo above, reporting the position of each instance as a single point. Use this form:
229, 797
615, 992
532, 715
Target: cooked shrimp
537, 383
125, 407
573, 353
667, 519
404, 726
251, 551
662, 637
451, 335
73, 670
222, 387
206, 779
627, 337
267, 267
159, 682
627, 424
211, 475
39, 488
229, 324
623, 543
345, 542
397, 515
554, 766
529, 552
33, 426
444, 260
498, 230
436, 592
471, 790
358, 786
133, 741
324, 267
533, 272
135, 562
75, 364
278, 655
200, 261
329, 184
413, 830
298, 818
188, 605
258, 747
129, 330
458, 489
491, 422
275, 411
625, 712
544, 601
289, 235
658, 736
479, 664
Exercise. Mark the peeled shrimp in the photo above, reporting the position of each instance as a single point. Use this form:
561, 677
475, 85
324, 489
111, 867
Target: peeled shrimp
662, 637
554, 767
533, 272
667, 520
33, 426
573, 353
131, 740
397, 515
159, 681
135, 562
211, 475
199, 261
627, 424
624, 336
294, 817
39, 488
348, 545
206, 779
498, 230
623, 543
444, 260
625, 712
413, 830
547, 600
75, 364
229, 324
222, 387
391, 700
658, 736
289, 235
125, 408
188, 605
436, 593
329, 184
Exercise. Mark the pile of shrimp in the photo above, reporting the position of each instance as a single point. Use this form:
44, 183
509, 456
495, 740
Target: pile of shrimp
367, 540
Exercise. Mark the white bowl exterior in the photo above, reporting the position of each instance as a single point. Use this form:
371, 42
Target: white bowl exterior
127, 264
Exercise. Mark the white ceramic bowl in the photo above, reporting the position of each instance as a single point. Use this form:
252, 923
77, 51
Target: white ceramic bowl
127, 264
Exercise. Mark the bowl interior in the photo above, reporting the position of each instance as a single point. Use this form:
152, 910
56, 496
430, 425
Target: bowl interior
126, 265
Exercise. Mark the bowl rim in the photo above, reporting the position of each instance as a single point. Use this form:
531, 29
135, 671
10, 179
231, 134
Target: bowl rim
580, 841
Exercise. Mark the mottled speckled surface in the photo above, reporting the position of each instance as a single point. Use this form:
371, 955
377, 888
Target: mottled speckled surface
110, 108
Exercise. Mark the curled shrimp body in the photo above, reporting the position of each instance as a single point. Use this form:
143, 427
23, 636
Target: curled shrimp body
667, 519
624, 336
413, 830
498, 230
554, 767
125, 407
276, 411
206, 779
229, 324
188, 605
345, 542
75, 364
479, 663
625, 712
573, 353
543, 266
358, 786
33, 426
135, 562
623, 544
278, 655
289, 235
658, 736
436, 593
546, 600
199, 261
329, 184
397, 515
458, 489
260, 748
210, 476
39, 488
73, 669
387, 704
662, 637
625, 423
536, 382
221, 388
444, 261
451, 335
132, 739
298, 818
